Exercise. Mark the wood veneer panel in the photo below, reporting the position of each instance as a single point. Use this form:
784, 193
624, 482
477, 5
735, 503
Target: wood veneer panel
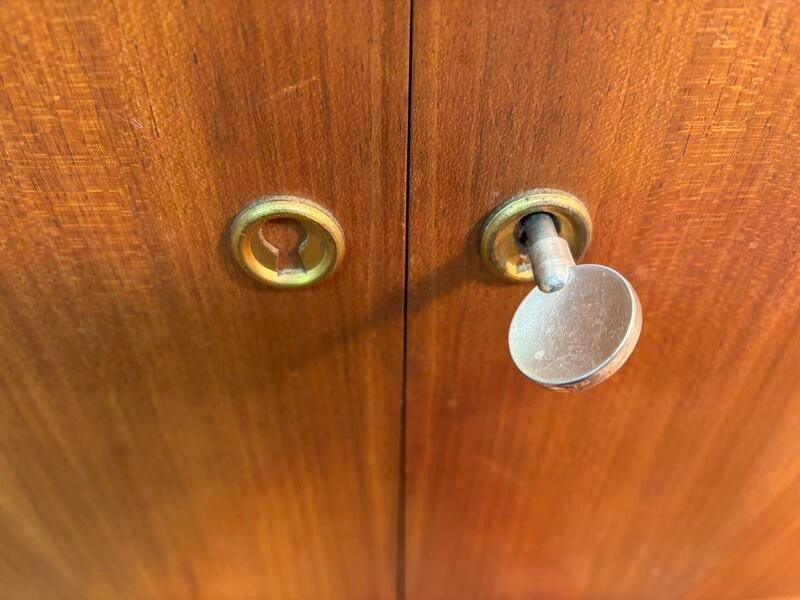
169, 428
677, 122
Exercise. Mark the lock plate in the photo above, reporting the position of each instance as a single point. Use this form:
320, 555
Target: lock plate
320, 252
501, 246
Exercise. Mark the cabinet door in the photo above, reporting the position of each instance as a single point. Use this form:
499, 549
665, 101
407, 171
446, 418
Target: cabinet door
677, 122
168, 427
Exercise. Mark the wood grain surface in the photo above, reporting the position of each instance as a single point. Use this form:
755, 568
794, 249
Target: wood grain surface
169, 428
677, 122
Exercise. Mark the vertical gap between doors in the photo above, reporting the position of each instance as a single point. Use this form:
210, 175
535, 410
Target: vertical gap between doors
401, 500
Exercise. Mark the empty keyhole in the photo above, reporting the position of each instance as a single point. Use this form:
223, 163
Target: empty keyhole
284, 236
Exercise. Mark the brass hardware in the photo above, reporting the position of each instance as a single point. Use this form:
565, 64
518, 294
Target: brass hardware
320, 252
502, 246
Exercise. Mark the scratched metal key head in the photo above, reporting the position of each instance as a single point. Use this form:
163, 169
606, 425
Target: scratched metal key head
580, 335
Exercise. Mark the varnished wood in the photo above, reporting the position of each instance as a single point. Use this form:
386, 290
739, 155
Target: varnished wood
168, 428
677, 123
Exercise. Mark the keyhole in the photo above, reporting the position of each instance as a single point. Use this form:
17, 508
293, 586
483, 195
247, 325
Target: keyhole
284, 236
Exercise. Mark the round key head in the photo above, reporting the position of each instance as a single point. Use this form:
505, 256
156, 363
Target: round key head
580, 335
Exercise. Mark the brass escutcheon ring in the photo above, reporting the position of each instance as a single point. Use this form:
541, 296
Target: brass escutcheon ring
501, 248
320, 252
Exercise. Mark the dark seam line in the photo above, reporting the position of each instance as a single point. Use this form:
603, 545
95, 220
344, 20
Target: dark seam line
401, 500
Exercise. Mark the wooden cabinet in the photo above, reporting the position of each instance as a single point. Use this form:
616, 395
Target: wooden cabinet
169, 428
